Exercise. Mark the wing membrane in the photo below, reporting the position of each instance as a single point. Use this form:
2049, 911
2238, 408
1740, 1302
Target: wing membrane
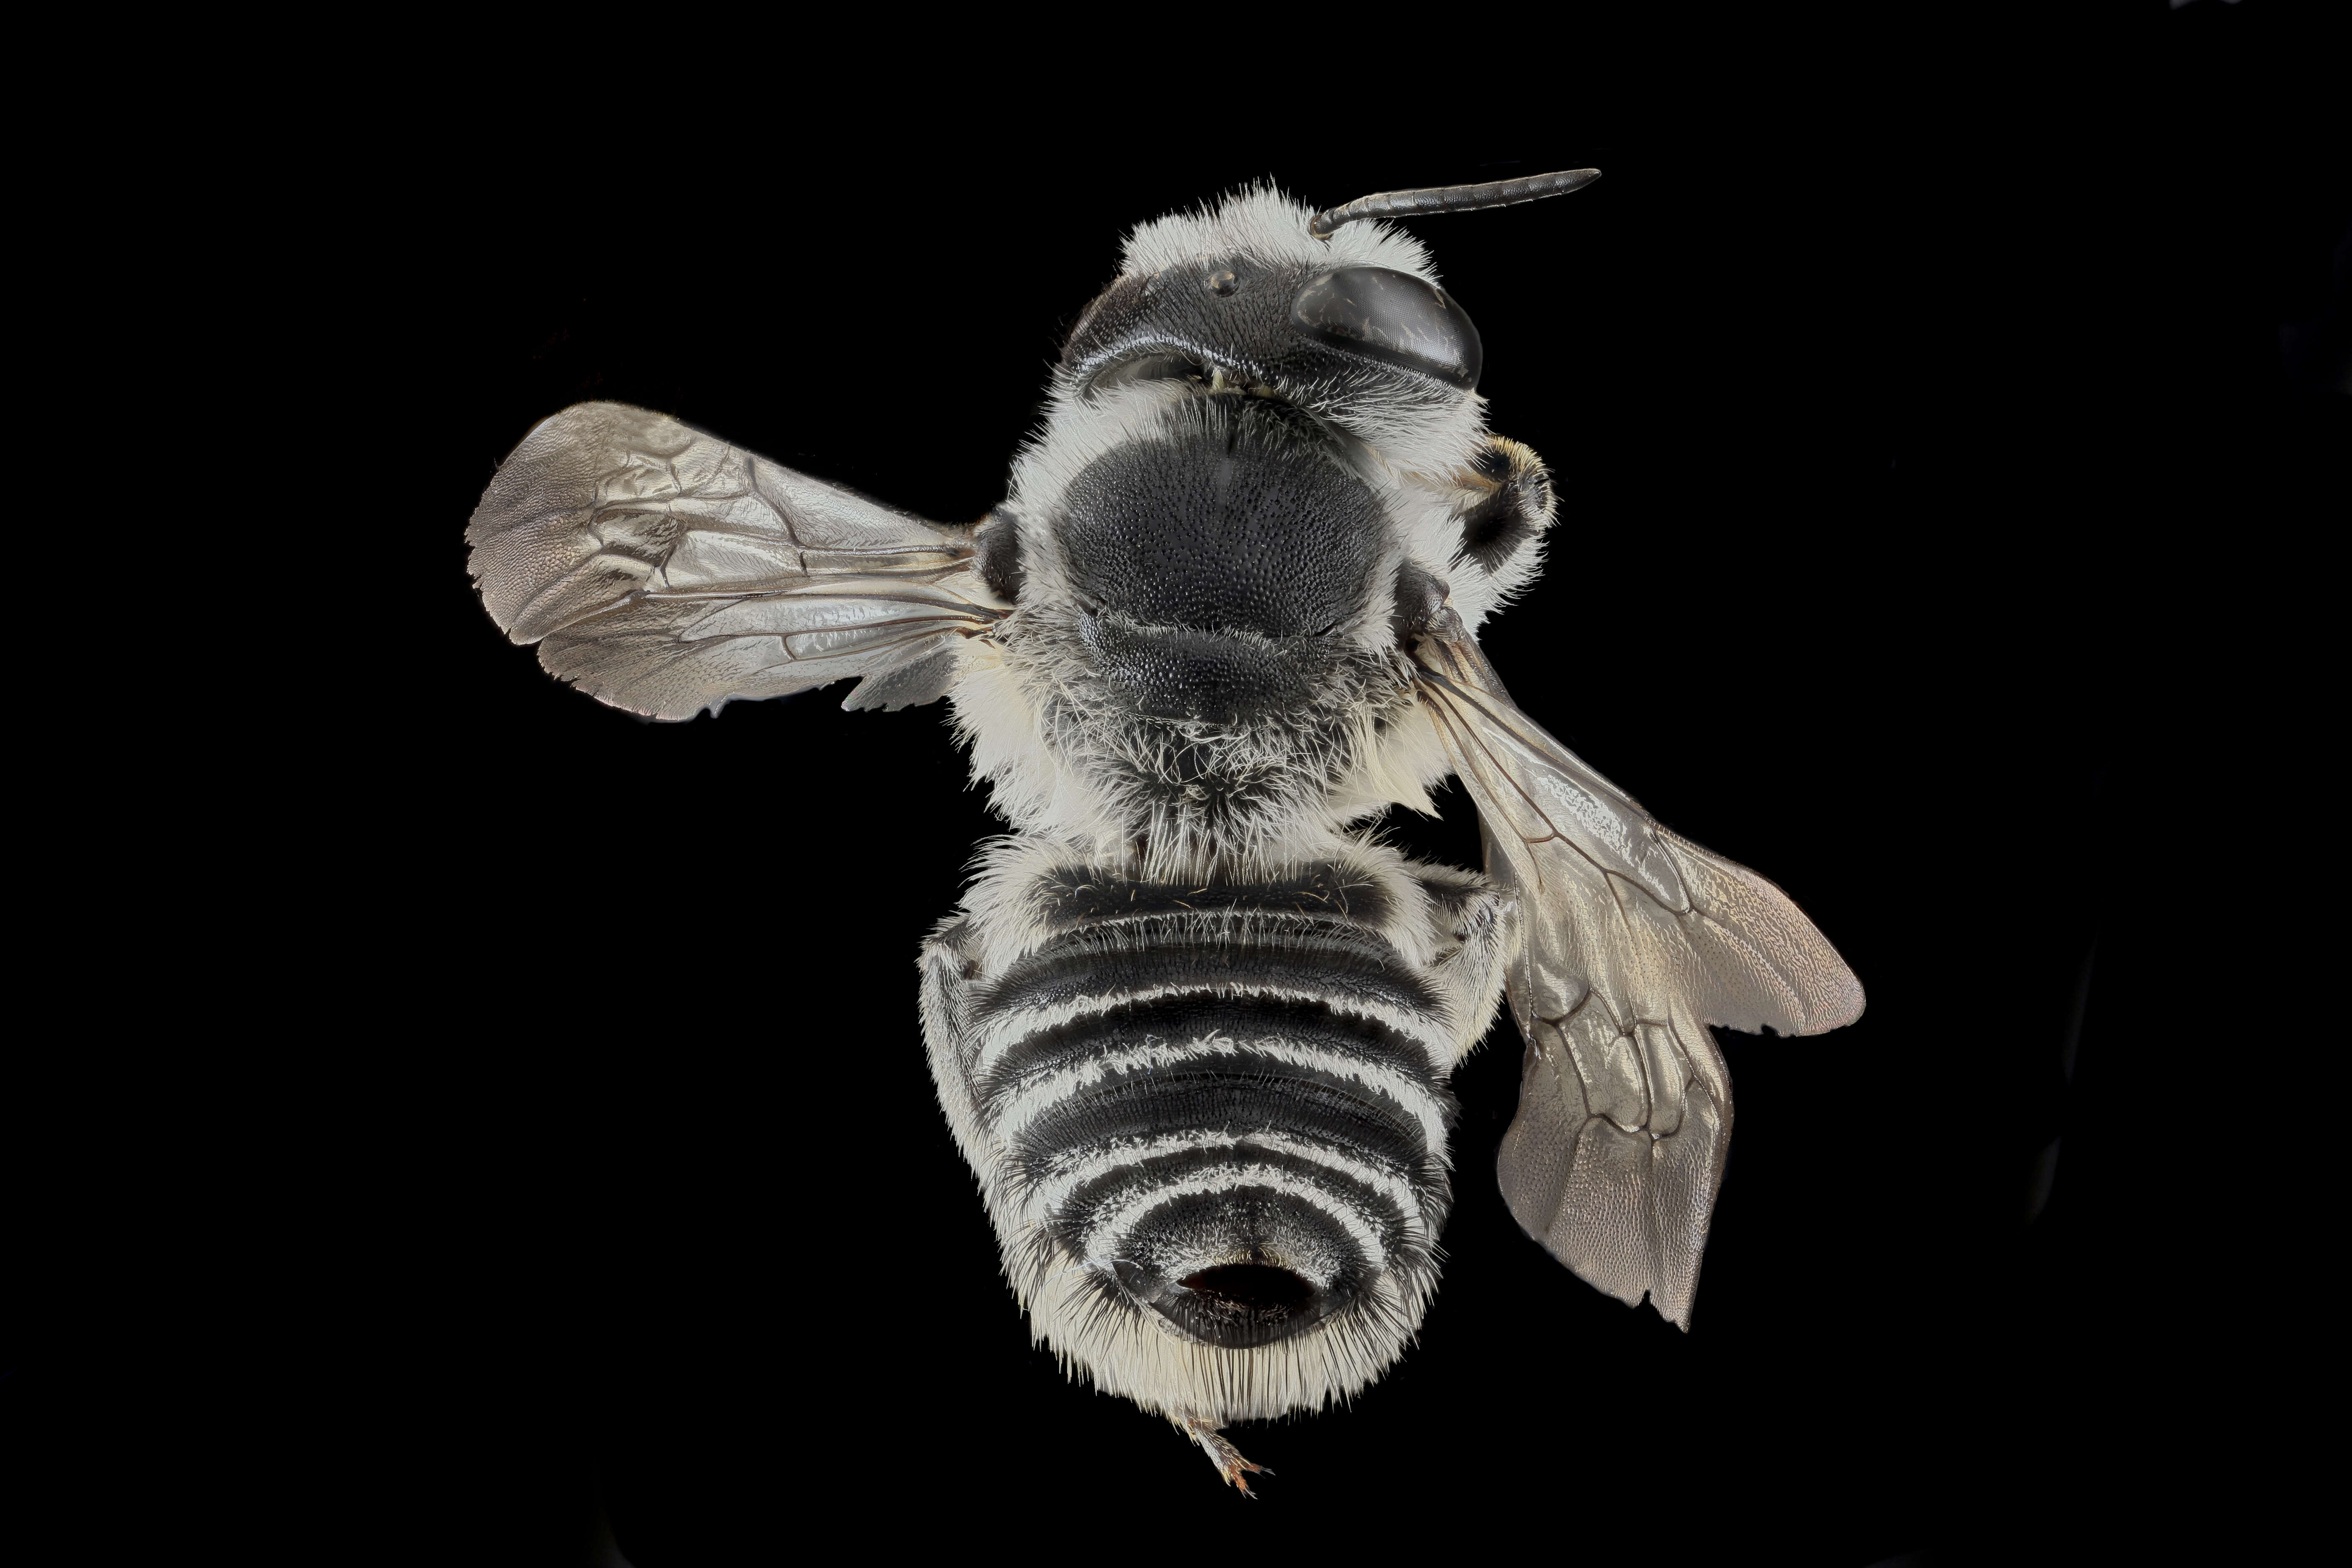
1628, 940
667, 572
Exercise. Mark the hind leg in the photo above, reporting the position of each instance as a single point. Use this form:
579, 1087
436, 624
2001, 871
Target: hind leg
1221, 1453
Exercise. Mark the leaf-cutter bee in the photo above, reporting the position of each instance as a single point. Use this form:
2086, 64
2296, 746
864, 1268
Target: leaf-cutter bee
1193, 1023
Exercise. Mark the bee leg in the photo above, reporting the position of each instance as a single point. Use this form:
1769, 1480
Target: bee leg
1221, 1453
1503, 500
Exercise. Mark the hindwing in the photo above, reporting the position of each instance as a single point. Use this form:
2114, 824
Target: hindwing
1628, 942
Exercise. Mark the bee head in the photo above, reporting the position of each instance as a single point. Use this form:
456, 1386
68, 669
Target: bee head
1353, 333
1341, 318
1303, 332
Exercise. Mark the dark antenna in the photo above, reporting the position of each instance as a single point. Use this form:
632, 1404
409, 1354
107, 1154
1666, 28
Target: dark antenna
1452, 199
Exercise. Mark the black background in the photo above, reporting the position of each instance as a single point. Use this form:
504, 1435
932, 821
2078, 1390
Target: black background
1865, 454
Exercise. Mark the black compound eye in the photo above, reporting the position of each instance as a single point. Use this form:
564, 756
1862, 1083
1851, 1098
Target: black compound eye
1391, 317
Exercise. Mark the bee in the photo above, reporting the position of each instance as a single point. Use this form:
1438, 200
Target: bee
1193, 1023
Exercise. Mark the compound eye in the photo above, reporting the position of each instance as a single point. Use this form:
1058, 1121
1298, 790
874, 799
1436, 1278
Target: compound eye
1391, 317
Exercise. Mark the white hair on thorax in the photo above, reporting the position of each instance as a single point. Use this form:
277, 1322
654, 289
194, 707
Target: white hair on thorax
1263, 224
1080, 431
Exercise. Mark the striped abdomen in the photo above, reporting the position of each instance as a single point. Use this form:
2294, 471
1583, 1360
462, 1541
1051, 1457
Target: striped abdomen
1225, 1104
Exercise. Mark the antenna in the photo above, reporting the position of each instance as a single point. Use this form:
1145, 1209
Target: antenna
1452, 199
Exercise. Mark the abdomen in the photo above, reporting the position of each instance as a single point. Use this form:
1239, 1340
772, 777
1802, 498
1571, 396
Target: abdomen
1221, 1107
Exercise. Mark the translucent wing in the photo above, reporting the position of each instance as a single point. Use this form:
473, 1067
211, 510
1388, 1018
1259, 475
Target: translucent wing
667, 572
1629, 942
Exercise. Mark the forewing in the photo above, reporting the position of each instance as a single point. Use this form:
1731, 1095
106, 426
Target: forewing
667, 572
1629, 942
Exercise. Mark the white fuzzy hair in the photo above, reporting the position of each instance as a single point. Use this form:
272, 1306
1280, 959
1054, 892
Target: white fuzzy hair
1263, 224
1142, 1357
